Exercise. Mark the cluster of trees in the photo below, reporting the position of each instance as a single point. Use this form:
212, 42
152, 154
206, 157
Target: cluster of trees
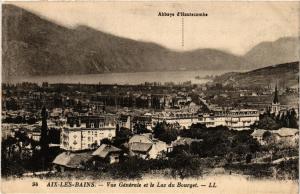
122, 136
166, 132
140, 128
274, 122
288, 119
220, 141
19, 154
215, 141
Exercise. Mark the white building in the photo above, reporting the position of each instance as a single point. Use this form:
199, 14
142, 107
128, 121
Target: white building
234, 119
124, 121
87, 133
241, 119
146, 147
185, 119
285, 137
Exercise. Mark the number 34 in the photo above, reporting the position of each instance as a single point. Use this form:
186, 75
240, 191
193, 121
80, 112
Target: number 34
35, 184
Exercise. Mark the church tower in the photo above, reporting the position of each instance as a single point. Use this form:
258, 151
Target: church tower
275, 103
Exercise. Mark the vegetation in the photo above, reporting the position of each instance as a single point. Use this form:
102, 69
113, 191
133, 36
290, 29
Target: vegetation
215, 147
21, 154
220, 141
166, 132
272, 122
140, 128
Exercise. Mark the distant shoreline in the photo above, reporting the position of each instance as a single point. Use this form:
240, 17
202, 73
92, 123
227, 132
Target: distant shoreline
119, 78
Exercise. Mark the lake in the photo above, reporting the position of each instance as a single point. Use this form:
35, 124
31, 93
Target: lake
121, 78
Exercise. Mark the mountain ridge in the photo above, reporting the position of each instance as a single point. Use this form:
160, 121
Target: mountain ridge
33, 45
284, 75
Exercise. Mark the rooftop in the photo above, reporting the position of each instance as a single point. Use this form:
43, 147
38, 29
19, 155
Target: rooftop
104, 150
72, 160
140, 147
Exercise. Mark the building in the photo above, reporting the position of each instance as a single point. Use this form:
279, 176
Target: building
36, 134
124, 121
275, 108
108, 153
234, 119
212, 120
67, 160
258, 134
86, 132
56, 113
185, 119
146, 147
145, 120
285, 137
241, 119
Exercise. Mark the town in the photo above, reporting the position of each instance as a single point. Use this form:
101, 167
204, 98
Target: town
126, 131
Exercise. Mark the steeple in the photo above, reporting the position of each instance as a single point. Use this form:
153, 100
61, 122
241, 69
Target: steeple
275, 100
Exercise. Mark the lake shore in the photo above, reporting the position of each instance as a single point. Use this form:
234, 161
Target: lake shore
120, 78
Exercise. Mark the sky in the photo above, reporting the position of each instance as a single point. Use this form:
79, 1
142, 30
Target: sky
235, 27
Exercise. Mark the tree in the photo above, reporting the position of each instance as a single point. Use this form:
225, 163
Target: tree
140, 128
122, 136
293, 119
267, 121
169, 136
165, 132
185, 165
54, 136
106, 141
159, 129
248, 158
44, 137
268, 137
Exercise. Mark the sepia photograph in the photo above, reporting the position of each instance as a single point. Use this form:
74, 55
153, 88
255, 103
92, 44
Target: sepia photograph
150, 97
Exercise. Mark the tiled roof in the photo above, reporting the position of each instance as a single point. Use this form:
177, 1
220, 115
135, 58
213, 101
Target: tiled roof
140, 147
104, 150
72, 160
258, 132
283, 132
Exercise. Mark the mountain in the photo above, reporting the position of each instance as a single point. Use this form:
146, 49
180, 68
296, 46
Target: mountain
285, 75
283, 50
32, 45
